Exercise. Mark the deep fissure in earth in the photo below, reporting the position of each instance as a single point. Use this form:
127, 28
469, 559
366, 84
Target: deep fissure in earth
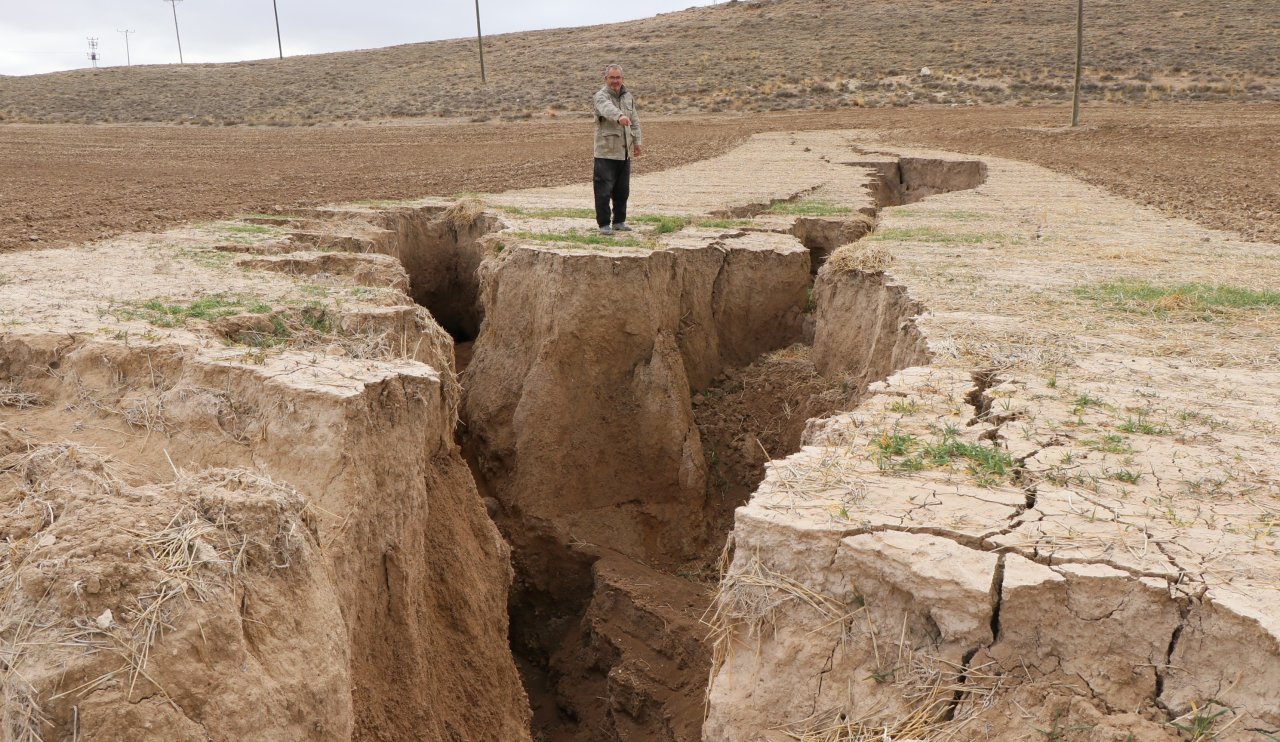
617, 515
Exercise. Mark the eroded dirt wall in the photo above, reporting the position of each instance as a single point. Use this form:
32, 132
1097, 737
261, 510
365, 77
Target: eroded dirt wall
578, 396
865, 326
580, 423
442, 256
418, 572
197, 609
906, 180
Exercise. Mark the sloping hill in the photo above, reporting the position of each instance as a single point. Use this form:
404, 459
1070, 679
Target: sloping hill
738, 56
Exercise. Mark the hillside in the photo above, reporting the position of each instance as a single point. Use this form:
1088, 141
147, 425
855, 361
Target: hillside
738, 56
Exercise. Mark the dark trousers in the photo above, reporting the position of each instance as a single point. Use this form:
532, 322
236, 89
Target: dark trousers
612, 180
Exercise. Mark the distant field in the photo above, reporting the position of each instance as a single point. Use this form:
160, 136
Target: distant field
66, 184
771, 55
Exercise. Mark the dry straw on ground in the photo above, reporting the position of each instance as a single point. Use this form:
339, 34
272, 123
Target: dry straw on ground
868, 257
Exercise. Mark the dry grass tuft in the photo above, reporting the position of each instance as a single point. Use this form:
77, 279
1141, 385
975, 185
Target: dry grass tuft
10, 396
23, 718
941, 698
745, 602
867, 257
463, 213
226, 522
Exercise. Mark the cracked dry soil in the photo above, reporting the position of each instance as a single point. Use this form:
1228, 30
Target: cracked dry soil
1001, 533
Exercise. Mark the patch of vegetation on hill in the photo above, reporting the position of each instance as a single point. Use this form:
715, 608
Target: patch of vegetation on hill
752, 56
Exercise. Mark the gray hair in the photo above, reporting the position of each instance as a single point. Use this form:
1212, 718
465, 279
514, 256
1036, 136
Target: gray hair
617, 67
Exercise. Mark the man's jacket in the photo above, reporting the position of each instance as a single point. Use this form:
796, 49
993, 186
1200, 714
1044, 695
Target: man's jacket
613, 140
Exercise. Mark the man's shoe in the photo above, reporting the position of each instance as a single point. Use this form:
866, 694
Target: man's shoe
606, 230
621, 227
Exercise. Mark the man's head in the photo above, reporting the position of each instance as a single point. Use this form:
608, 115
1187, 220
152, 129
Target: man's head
613, 77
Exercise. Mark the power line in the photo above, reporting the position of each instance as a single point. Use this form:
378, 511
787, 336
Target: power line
480, 42
279, 44
128, 60
174, 5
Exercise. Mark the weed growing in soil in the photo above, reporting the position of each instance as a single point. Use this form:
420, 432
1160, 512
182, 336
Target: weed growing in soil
278, 335
894, 444
1200, 722
1140, 424
213, 307
662, 224
808, 208
988, 464
1084, 400
1124, 475
904, 407
1110, 443
1130, 295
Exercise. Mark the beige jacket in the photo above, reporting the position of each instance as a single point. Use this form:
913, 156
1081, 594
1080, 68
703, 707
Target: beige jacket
613, 140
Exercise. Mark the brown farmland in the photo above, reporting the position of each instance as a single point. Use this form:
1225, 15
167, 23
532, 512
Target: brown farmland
67, 184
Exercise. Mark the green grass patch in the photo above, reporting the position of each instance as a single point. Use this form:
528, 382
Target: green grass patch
1140, 424
661, 224
808, 208
246, 228
1110, 443
895, 443
1080, 403
987, 463
1140, 296
955, 216
930, 234
316, 317
904, 407
165, 314
1124, 475
903, 452
581, 238
550, 213
277, 336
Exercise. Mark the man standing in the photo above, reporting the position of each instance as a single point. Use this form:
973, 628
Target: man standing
617, 140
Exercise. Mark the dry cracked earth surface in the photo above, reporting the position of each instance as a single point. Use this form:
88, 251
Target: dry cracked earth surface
993, 451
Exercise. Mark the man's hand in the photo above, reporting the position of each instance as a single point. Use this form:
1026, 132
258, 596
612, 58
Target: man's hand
625, 120
635, 150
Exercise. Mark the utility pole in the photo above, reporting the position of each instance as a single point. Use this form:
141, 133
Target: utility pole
1075, 98
92, 54
480, 43
279, 44
174, 5
128, 59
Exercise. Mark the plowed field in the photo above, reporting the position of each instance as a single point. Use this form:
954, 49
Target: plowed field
61, 184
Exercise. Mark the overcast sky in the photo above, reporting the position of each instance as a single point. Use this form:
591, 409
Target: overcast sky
49, 35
